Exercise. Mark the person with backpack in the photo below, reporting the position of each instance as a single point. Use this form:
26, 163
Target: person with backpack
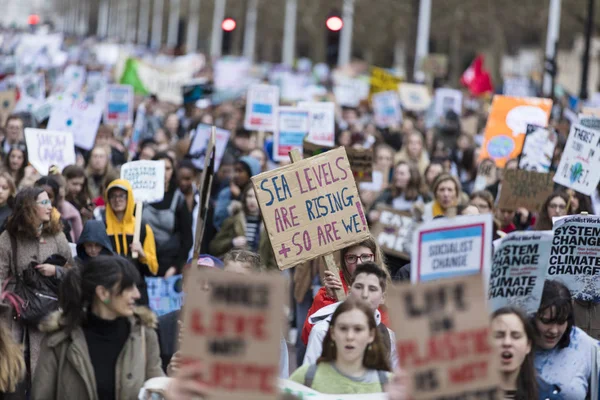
353, 360
33, 255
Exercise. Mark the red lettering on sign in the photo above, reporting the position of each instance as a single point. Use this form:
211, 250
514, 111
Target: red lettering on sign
229, 324
468, 372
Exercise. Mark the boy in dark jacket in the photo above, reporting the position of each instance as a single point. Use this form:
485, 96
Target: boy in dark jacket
93, 242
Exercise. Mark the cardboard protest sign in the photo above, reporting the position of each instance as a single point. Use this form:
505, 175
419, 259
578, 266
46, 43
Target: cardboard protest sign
322, 122
310, 149
528, 189
292, 126
46, 148
8, 101
470, 125
579, 167
443, 338
199, 145
507, 124
445, 248
311, 208
392, 230
361, 161
76, 116
414, 97
165, 294
119, 105
435, 65
383, 81
447, 100
386, 109
261, 108
147, 179
232, 324
575, 256
519, 270
538, 149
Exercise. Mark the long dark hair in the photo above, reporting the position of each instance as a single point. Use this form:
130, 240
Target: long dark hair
556, 297
22, 222
78, 288
21, 172
375, 358
544, 222
527, 386
165, 156
414, 185
83, 198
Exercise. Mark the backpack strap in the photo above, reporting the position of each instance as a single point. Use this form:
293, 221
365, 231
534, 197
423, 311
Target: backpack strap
383, 378
310, 375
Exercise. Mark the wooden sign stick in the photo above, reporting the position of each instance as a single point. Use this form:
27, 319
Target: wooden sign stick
138, 226
329, 260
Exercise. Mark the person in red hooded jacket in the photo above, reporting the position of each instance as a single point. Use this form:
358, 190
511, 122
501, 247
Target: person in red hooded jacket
351, 256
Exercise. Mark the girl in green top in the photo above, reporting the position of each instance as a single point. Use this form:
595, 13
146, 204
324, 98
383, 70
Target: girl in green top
353, 360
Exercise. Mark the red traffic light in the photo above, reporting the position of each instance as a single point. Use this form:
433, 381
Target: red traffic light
33, 19
334, 23
228, 24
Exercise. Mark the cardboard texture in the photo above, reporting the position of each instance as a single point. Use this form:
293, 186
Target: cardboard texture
361, 161
519, 270
579, 167
528, 189
47, 148
311, 208
232, 324
8, 101
507, 124
443, 340
470, 125
414, 97
392, 230
538, 149
147, 179
435, 65
450, 247
310, 149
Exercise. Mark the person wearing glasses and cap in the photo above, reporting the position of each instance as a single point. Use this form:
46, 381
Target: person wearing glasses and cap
120, 226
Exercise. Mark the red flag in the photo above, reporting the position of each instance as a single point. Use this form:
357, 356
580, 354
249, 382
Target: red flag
476, 78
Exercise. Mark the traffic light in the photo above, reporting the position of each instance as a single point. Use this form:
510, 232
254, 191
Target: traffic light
228, 25
33, 19
334, 25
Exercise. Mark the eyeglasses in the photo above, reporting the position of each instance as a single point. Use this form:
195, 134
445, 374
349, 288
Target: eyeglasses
118, 197
557, 206
353, 258
44, 203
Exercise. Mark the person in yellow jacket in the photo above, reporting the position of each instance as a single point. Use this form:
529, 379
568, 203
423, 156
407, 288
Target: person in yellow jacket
120, 226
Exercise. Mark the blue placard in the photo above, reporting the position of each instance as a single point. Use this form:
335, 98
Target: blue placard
165, 294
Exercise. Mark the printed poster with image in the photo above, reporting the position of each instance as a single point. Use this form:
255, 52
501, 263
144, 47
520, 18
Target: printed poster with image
445, 248
579, 167
447, 99
507, 125
119, 105
261, 108
292, 126
386, 109
199, 145
77, 116
538, 149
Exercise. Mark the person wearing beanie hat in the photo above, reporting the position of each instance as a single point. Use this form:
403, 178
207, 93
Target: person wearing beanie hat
245, 168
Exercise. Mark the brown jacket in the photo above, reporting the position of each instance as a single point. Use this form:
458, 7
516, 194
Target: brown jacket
65, 371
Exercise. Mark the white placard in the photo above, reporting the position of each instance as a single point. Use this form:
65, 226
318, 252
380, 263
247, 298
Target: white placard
76, 116
322, 122
200, 141
72, 80
46, 148
445, 248
448, 99
292, 128
147, 179
261, 108
119, 105
386, 107
579, 167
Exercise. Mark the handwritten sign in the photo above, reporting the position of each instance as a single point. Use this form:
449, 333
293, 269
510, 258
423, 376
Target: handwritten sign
199, 145
519, 270
165, 294
46, 148
261, 108
119, 105
445, 248
443, 339
322, 122
538, 149
528, 189
292, 126
579, 167
392, 230
575, 255
76, 116
386, 109
147, 179
360, 159
311, 208
234, 329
